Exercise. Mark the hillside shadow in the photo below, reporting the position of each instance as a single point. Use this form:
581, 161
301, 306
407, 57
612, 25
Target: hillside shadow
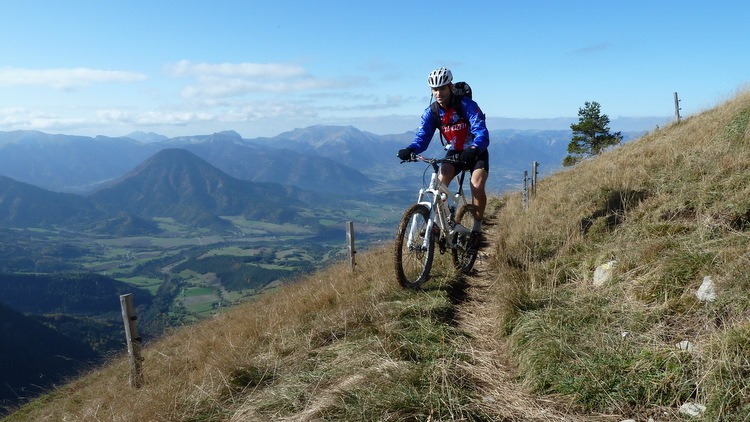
613, 211
458, 290
457, 294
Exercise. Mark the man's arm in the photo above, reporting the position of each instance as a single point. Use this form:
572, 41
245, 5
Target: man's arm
478, 126
424, 133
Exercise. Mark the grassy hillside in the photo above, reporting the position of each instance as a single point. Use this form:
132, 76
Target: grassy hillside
529, 337
670, 209
336, 345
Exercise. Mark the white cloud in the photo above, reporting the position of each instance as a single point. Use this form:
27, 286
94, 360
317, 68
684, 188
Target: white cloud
12, 110
226, 80
42, 122
375, 104
151, 118
185, 68
211, 88
226, 114
224, 95
65, 79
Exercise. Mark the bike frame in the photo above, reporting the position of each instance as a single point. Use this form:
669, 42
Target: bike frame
440, 210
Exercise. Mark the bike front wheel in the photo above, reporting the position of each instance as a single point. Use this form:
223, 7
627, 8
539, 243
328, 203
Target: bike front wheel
415, 247
462, 259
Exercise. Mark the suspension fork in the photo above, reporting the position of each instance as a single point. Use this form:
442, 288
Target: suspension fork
428, 226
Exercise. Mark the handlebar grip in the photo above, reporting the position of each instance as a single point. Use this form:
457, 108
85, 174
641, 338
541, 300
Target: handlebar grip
412, 159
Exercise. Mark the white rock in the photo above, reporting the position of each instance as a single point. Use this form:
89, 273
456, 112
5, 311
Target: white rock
685, 345
692, 409
603, 273
706, 292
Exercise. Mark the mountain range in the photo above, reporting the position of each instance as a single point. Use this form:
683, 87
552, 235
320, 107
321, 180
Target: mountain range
116, 185
271, 163
22, 204
81, 165
173, 183
177, 183
337, 159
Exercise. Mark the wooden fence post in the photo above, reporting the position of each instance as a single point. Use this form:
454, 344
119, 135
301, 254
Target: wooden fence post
350, 243
534, 173
134, 342
676, 107
525, 190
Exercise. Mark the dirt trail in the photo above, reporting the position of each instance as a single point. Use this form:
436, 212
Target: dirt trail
489, 368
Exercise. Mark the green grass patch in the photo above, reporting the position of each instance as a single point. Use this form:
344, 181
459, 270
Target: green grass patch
234, 250
198, 291
728, 376
428, 384
202, 308
589, 347
150, 284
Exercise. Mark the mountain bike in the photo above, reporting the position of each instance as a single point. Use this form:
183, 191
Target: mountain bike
433, 220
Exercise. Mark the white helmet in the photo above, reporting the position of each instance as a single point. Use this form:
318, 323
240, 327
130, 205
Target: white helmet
439, 77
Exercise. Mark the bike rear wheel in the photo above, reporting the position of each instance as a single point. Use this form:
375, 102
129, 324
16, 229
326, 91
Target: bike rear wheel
462, 259
413, 259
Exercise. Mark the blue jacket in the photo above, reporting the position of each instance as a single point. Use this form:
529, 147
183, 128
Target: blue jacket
454, 128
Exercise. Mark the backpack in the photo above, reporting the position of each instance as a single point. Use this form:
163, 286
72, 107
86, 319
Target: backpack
460, 90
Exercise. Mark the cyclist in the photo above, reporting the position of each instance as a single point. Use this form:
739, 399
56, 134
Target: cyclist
462, 124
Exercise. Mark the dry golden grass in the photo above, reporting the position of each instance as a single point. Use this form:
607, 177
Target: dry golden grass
670, 208
333, 345
195, 369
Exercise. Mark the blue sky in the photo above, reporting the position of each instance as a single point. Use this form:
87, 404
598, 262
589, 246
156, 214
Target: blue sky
262, 68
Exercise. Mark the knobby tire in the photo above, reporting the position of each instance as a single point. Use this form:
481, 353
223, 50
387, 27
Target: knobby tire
462, 260
413, 265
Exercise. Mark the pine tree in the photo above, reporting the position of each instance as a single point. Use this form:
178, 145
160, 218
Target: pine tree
590, 135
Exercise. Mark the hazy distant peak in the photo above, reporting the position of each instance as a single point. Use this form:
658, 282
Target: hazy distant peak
321, 135
170, 155
227, 135
147, 137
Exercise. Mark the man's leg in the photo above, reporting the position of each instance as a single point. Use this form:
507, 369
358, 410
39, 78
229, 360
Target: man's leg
479, 198
447, 173
478, 180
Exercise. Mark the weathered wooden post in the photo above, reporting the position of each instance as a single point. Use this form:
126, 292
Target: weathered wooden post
525, 190
676, 107
350, 243
534, 173
133, 341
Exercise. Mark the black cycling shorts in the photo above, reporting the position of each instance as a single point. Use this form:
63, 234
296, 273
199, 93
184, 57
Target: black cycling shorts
482, 162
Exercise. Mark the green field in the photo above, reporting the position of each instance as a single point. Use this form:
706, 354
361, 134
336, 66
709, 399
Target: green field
254, 249
150, 284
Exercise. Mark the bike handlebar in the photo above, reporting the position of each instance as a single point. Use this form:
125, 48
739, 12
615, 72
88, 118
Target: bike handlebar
434, 161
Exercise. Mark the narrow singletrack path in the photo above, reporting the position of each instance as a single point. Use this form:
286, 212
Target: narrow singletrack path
489, 367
